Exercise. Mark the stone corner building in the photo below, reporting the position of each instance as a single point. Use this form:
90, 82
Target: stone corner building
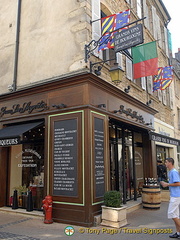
65, 131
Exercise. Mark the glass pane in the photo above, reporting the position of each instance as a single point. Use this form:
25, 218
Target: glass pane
129, 164
120, 165
161, 153
112, 167
139, 170
27, 168
138, 149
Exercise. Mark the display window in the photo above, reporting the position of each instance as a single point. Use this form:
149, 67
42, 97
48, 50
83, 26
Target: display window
162, 153
126, 161
26, 168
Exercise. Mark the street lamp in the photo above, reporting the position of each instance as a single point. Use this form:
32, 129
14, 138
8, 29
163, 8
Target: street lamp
116, 74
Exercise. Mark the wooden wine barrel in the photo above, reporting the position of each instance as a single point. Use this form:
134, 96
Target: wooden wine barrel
151, 197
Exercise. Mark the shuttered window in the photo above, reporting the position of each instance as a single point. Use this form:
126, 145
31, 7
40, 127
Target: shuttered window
146, 14
154, 21
164, 97
171, 97
143, 83
178, 111
129, 73
119, 59
159, 38
139, 8
159, 95
150, 84
96, 26
166, 41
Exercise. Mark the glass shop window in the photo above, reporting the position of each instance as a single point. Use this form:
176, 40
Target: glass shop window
27, 168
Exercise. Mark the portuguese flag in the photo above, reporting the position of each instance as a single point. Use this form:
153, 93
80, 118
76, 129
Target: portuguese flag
145, 60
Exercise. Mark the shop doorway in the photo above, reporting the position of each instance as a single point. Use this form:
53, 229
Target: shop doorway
162, 153
126, 161
26, 168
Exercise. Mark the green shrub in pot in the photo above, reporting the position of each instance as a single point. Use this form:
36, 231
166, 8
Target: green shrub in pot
113, 199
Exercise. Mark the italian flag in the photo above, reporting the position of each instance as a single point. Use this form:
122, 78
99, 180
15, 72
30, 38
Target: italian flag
145, 60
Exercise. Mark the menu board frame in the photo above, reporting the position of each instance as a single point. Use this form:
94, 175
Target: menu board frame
98, 197
78, 118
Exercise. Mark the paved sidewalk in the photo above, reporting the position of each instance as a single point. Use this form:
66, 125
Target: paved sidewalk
142, 224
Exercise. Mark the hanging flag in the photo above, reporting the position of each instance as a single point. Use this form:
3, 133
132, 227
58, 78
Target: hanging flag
122, 19
106, 41
167, 72
159, 75
165, 84
163, 79
109, 24
157, 81
156, 85
166, 77
145, 60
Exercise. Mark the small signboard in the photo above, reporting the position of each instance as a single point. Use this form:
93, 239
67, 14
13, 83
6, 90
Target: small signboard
164, 139
65, 168
99, 157
128, 38
9, 142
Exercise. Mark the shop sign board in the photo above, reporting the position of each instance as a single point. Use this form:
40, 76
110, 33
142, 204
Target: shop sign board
128, 38
9, 142
164, 139
129, 112
26, 107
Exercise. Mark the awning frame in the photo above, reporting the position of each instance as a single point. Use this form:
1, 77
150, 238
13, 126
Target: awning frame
11, 135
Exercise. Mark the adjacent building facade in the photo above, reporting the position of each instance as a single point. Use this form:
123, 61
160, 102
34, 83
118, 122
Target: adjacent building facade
66, 130
176, 113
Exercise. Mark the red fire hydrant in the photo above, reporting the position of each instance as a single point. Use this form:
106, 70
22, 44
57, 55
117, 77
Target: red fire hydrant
47, 206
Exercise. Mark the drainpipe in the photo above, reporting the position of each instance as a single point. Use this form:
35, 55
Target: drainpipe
17, 46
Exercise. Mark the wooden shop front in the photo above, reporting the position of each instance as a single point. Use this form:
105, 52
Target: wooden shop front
74, 139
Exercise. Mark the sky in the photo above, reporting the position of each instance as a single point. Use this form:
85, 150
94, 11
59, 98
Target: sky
173, 7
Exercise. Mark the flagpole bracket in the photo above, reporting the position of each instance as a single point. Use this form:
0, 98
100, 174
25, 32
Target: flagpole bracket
89, 48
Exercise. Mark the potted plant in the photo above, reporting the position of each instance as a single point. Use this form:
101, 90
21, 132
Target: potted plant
113, 213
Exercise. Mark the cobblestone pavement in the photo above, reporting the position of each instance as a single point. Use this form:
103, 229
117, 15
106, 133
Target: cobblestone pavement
7, 235
12, 236
142, 224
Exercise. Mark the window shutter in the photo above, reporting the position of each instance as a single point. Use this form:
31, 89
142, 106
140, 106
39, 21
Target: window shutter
129, 69
96, 26
133, 6
166, 41
154, 19
171, 97
119, 59
146, 14
139, 9
143, 83
150, 84
164, 98
159, 38
159, 95
178, 111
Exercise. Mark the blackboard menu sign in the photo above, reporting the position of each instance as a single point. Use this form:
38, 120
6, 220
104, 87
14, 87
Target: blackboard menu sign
99, 157
65, 158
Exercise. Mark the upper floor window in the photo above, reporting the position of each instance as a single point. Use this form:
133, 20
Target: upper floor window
139, 8
178, 111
